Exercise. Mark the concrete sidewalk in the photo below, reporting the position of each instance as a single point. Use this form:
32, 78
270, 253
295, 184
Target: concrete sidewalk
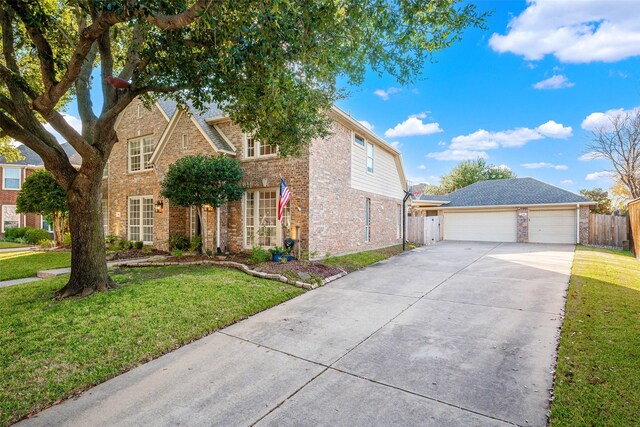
451, 334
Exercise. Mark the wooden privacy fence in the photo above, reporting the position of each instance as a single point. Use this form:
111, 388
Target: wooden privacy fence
608, 230
423, 229
634, 221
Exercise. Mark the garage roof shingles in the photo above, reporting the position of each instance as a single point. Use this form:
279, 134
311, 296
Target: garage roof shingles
508, 192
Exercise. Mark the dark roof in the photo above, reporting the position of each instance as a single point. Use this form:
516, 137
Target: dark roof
31, 158
438, 198
210, 110
503, 192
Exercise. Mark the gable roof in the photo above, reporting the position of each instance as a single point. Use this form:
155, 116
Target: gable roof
32, 159
209, 131
508, 192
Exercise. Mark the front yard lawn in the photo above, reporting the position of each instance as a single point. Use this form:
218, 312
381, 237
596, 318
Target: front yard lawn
50, 349
353, 262
11, 245
16, 265
598, 374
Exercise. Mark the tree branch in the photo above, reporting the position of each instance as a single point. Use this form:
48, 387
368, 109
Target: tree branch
83, 89
109, 93
181, 20
133, 53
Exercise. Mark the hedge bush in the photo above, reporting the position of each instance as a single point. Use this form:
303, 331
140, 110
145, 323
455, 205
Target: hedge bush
11, 234
34, 235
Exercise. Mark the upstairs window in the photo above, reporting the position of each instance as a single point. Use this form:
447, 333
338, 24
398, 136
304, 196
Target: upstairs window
256, 148
140, 151
369, 157
358, 140
11, 178
367, 220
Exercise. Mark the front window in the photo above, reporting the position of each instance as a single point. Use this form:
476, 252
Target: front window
10, 217
256, 148
45, 225
140, 151
11, 178
105, 216
369, 157
261, 223
141, 219
105, 171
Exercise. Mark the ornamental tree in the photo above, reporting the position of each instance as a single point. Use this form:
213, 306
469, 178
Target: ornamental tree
203, 180
471, 171
601, 197
272, 66
41, 194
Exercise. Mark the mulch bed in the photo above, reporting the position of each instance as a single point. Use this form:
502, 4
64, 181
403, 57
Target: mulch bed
299, 266
133, 254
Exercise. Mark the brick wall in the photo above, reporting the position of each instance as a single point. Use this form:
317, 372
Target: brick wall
265, 173
337, 211
9, 197
523, 225
584, 225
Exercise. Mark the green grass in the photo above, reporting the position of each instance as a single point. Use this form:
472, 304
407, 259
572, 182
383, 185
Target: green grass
360, 260
598, 374
11, 245
51, 349
16, 265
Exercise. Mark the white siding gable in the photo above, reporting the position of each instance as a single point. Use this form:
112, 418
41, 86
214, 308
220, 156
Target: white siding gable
385, 179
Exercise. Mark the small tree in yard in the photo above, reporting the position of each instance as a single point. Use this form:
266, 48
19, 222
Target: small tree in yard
470, 172
602, 199
41, 194
272, 66
203, 180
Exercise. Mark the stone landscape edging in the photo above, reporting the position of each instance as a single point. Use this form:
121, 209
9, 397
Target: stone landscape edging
242, 267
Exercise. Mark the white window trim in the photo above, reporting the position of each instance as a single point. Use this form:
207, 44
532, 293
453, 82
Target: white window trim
256, 150
364, 140
373, 156
2, 217
184, 141
287, 216
4, 176
140, 227
105, 171
139, 110
143, 167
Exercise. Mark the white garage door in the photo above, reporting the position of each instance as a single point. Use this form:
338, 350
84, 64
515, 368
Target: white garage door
552, 226
481, 226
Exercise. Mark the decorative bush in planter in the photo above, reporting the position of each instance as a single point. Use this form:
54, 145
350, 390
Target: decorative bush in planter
276, 253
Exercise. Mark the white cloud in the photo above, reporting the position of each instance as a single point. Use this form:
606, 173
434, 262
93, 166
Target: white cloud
422, 167
589, 156
544, 165
431, 180
72, 120
557, 81
552, 129
458, 155
414, 125
366, 124
567, 182
386, 94
395, 144
599, 176
599, 120
593, 30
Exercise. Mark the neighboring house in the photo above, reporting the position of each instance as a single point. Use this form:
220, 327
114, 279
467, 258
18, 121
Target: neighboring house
509, 210
12, 175
347, 189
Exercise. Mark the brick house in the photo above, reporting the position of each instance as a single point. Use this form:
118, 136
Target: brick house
347, 189
12, 175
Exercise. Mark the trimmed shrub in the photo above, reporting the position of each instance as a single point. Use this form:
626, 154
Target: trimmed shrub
196, 244
259, 255
67, 239
177, 253
34, 235
179, 241
11, 234
125, 244
138, 245
111, 239
47, 244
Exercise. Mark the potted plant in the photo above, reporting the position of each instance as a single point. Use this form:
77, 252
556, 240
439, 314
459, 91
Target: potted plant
276, 253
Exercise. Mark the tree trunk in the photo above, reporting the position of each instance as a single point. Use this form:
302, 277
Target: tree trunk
88, 262
59, 227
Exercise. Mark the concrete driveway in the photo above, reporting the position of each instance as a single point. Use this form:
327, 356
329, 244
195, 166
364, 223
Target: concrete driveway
459, 333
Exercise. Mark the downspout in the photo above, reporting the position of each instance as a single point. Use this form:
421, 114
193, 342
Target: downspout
407, 194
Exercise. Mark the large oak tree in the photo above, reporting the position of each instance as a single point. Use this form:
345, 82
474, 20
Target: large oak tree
272, 65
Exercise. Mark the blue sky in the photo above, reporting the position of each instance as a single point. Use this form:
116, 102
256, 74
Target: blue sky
525, 93
584, 57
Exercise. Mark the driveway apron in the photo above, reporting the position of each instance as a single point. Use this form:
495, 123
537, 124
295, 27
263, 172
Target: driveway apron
457, 333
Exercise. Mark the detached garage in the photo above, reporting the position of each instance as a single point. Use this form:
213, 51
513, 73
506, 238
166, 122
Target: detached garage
509, 210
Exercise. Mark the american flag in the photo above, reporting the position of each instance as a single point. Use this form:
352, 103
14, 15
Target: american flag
285, 196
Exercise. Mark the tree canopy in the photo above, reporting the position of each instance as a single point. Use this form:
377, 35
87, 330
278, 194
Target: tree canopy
272, 67
601, 197
41, 194
469, 172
